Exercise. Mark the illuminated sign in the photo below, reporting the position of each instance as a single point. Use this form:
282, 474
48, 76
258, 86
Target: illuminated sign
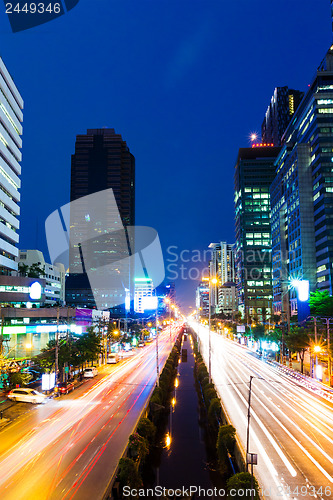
48, 381
35, 291
303, 289
149, 303
262, 145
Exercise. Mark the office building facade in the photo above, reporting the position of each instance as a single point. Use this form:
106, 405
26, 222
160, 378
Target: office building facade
222, 267
280, 111
254, 173
11, 117
302, 195
54, 275
101, 161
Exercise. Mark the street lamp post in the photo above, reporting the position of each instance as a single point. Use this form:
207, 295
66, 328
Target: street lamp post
157, 361
329, 361
316, 356
248, 420
210, 282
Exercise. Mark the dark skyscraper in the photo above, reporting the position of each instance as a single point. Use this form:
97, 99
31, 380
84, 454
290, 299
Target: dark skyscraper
102, 160
281, 109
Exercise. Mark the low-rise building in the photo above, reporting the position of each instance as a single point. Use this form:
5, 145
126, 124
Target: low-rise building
54, 275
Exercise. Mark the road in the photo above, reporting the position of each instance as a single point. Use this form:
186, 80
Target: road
291, 426
69, 448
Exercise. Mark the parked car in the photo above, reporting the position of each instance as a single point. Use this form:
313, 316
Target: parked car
26, 395
64, 387
113, 358
90, 372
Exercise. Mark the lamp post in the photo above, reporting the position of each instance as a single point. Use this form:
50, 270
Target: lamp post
248, 419
167, 301
157, 361
329, 361
316, 356
212, 281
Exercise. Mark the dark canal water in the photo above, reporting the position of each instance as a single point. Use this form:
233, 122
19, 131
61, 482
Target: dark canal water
185, 462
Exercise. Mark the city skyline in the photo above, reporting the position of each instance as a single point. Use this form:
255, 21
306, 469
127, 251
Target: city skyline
191, 96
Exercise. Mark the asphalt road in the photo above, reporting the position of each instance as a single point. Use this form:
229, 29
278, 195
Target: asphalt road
69, 447
291, 426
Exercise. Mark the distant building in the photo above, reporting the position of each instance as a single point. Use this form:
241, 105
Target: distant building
202, 298
254, 173
144, 296
228, 303
279, 113
222, 266
54, 275
11, 105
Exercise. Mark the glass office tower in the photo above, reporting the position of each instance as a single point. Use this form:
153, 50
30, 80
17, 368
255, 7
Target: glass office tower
254, 173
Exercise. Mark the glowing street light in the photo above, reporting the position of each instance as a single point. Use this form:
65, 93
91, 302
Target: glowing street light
167, 441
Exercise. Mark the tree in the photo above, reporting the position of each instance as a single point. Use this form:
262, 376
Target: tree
147, 429
23, 269
129, 474
139, 447
258, 332
240, 483
321, 303
298, 341
35, 271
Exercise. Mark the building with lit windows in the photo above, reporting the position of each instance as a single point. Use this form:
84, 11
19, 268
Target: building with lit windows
254, 173
102, 160
202, 298
54, 275
144, 297
11, 105
222, 266
280, 111
302, 194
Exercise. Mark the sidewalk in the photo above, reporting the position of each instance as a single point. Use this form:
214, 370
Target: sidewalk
320, 388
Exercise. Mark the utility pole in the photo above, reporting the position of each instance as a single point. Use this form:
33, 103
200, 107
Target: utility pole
329, 364
157, 361
248, 420
57, 348
209, 336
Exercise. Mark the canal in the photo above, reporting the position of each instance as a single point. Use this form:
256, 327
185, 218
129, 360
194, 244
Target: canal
185, 461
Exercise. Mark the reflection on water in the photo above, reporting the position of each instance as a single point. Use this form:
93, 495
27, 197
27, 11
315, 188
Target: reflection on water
184, 461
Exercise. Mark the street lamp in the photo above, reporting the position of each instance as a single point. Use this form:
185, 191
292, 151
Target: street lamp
167, 301
212, 281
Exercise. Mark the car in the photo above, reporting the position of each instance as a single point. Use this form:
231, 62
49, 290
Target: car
64, 387
26, 395
113, 358
90, 372
141, 344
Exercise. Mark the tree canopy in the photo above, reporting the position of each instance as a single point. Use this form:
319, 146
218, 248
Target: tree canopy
321, 303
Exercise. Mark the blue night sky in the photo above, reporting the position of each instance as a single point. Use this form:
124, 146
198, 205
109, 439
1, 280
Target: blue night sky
184, 82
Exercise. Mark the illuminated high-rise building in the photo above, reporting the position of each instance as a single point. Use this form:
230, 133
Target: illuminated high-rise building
11, 105
254, 173
101, 161
280, 111
302, 195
